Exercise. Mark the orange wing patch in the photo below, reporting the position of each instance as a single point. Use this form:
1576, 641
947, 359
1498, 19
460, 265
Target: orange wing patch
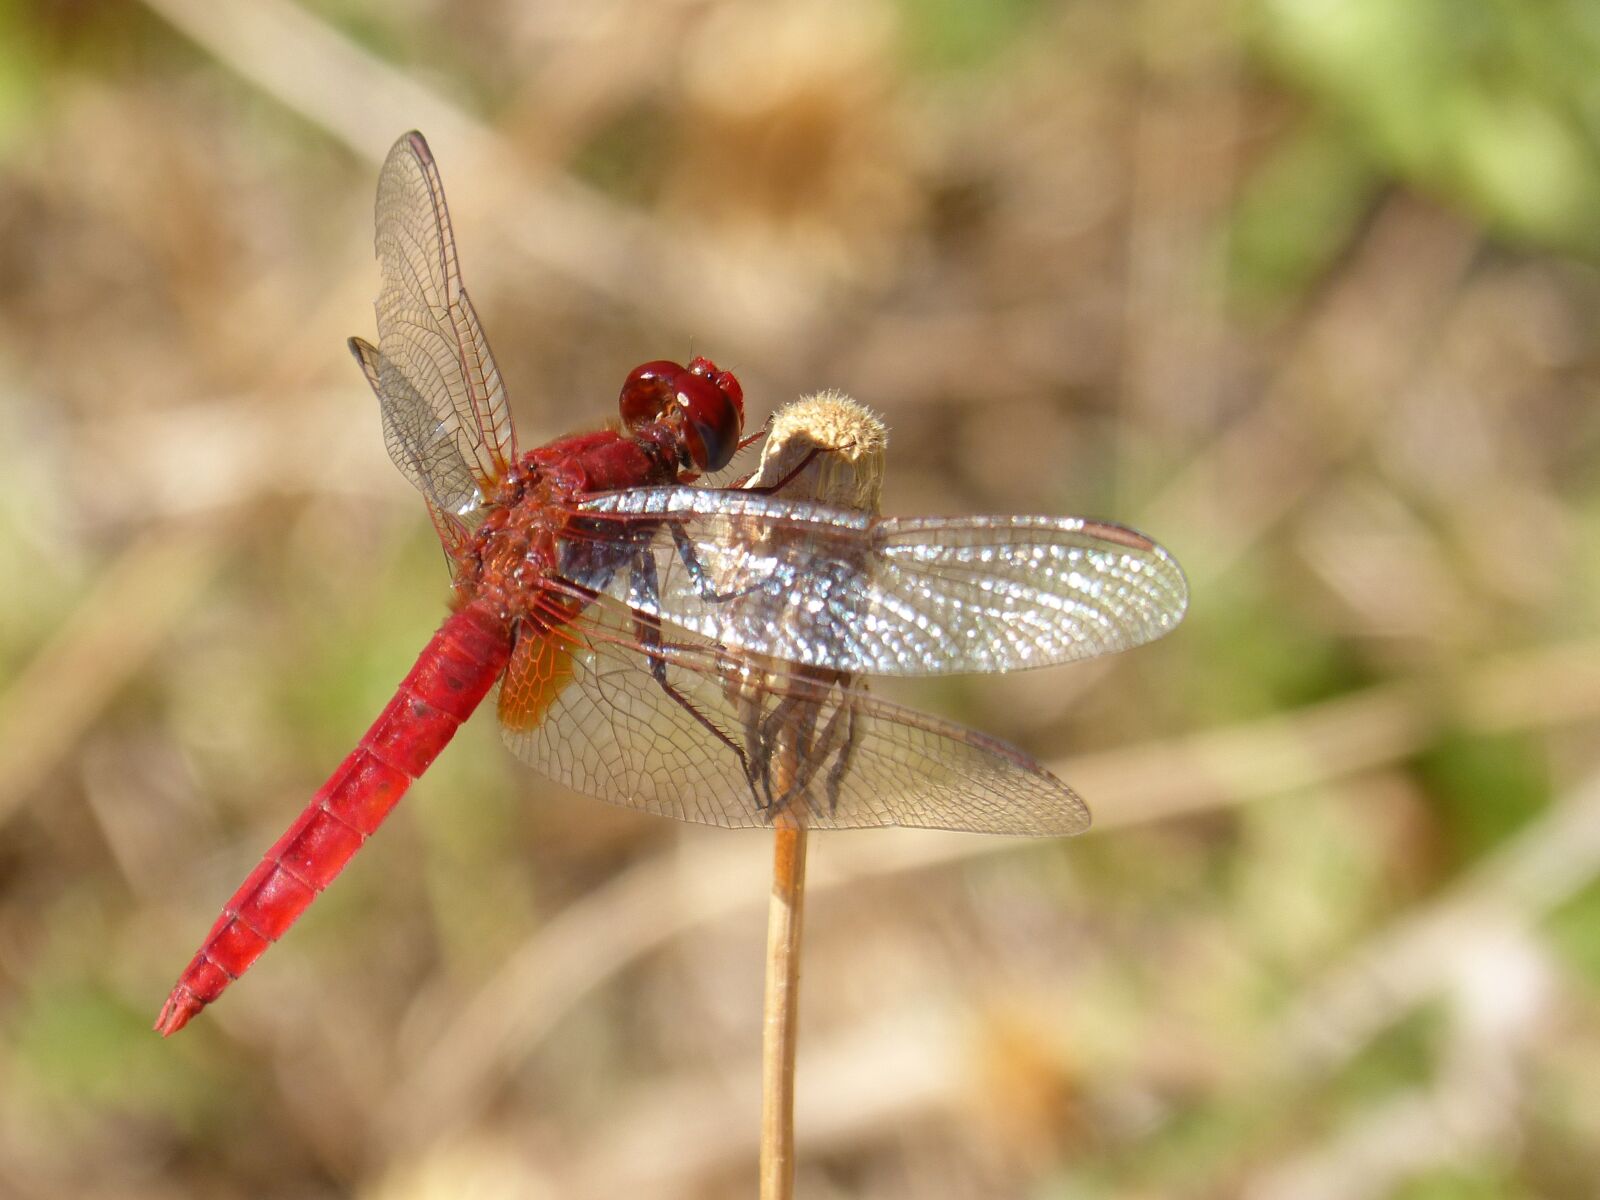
540, 668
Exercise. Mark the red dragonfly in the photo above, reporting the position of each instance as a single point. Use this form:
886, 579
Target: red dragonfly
633, 622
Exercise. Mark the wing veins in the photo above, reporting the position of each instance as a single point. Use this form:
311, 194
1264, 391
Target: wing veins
830, 588
613, 733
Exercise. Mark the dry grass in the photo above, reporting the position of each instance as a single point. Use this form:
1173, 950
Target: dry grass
1337, 933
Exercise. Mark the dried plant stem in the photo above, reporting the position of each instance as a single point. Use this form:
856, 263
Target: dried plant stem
824, 447
780, 1015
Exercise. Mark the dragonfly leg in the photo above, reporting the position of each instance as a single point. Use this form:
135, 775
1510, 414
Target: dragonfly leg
703, 586
790, 735
841, 761
647, 627
791, 751
772, 489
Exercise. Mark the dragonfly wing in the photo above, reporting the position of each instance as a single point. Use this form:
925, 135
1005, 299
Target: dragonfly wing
421, 445
846, 591
732, 742
426, 324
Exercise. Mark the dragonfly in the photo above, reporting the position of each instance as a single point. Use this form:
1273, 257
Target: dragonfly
656, 642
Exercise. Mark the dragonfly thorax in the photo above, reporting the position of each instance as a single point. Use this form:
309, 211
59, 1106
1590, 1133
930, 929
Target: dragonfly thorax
677, 422
530, 526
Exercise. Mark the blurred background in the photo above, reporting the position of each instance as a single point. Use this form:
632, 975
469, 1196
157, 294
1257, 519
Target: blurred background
1306, 291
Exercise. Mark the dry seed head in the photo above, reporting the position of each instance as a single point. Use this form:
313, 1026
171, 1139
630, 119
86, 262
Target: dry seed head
851, 437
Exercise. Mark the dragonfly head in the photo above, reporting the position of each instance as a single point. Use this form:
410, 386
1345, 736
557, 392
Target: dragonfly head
703, 406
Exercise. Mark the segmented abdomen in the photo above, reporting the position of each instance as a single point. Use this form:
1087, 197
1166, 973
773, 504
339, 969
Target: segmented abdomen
453, 674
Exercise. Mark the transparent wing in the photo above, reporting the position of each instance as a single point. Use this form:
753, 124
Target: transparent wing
732, 743
421, 445
426, 325
847, 591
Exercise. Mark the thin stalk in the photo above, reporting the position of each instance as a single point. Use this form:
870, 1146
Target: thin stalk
828, 448
780, 1016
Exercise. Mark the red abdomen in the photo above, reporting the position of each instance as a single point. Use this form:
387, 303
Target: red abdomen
451, 677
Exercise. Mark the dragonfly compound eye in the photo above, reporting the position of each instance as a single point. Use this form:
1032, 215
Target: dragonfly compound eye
648, 392
725, 380
712, 420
